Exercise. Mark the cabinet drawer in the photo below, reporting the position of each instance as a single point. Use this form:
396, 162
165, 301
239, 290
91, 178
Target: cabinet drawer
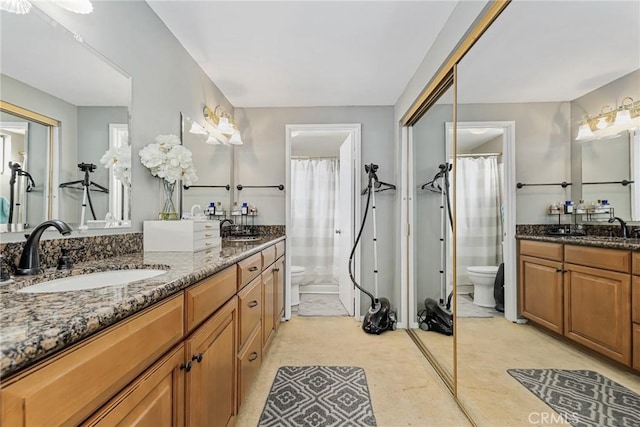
268, 256
248, 269
635, 299
636, 263
94, 371
250, 311
608, 259
209, 243
205, 297
547, 250
205, 234
249, 361
209, 226
636, 346
155, 398
281, 245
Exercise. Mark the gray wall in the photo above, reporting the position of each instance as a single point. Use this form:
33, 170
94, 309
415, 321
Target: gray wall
93, 141
165, 81
543, 152
261, 161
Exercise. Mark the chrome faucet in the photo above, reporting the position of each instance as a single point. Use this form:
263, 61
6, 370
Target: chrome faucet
230, 221
30, 258
623, 225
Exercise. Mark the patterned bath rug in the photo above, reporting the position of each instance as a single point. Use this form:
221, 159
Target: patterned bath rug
582, 398
318, 396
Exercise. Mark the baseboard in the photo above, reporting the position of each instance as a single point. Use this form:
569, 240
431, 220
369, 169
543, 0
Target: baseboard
318, 289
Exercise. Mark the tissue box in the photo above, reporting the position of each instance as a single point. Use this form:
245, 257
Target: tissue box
181, 236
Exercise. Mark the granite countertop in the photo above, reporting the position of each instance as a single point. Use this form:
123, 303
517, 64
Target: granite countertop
597, 241
34, 326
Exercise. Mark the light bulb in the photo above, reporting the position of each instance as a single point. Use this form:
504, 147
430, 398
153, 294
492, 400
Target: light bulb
21, 7
224, 126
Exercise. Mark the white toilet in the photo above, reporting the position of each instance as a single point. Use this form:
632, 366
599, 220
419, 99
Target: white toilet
297, 274
483, 279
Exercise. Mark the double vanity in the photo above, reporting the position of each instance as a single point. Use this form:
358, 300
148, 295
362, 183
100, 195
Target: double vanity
178, 348
585, 288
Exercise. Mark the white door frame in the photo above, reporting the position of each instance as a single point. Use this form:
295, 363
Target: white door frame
509, 226
355, 130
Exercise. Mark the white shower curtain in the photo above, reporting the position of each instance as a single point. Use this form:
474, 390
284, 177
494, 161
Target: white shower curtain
314, 212
478, 213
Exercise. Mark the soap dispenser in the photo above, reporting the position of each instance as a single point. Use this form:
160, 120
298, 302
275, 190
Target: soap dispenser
245, 209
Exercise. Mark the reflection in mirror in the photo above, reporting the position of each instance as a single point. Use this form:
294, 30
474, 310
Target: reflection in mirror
545, 93
432, 260
25, 183
212, 162
84, 101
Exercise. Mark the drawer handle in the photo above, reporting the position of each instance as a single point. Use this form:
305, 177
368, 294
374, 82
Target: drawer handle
208, 243
208, 226
253, 303
208, 235
254, 268
253, 356
197, 357
185, 367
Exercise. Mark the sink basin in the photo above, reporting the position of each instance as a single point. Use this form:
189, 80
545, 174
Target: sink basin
92, 281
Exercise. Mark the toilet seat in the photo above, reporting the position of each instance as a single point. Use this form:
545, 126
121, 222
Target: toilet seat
483, 269
296, 269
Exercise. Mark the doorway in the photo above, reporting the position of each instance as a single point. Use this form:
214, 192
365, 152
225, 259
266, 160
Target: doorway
494, 142
321, 210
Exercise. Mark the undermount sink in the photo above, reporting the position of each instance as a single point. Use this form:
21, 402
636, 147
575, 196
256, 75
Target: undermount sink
92, 280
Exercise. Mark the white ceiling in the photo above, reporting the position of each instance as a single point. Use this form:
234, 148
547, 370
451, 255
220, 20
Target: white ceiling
545, 51
307, 53
49, 58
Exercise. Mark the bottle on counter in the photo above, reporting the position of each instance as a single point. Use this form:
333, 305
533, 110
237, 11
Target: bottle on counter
235, 210
244, 210
568, 207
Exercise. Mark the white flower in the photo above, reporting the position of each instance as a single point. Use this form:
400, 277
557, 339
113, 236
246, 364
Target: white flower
169, 160
119, 158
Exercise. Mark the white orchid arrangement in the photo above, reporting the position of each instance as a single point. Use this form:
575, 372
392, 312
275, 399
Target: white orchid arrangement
119, 158
169, 160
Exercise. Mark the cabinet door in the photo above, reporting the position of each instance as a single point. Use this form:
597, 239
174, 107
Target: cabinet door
597, 310
211, 380
636, 346
268, 306
541, 292
156, 398
279, 292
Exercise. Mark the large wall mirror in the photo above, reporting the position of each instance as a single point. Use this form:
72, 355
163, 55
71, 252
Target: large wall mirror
64, 107
538, 69
213, 163
432, 261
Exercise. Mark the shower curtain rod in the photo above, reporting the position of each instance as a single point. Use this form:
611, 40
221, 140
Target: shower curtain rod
479, 155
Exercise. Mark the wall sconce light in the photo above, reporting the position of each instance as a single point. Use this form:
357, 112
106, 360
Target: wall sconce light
225, 129
22, 7
610, 122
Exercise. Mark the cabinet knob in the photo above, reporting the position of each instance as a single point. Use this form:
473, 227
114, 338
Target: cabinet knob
559, 270
197, 357
253, 356
253, 303
254, 268
185, 367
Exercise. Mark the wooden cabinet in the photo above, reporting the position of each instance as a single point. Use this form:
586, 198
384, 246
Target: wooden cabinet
635, 311
248, 269
249, 361
598, 310
93, 371
268, 306
210, 360
187, 360
541, 289
636, 346
279, 291
582, 292
156, 398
